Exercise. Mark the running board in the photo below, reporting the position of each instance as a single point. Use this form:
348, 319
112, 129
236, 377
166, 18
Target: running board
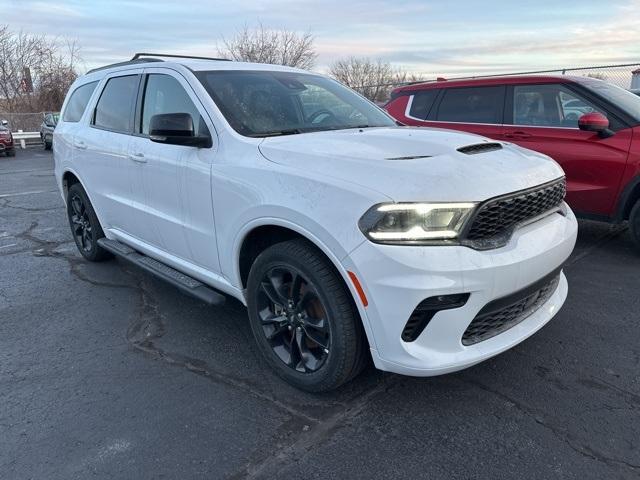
187, 284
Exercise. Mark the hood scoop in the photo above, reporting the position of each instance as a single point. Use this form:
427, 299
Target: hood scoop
480, 148
410, 157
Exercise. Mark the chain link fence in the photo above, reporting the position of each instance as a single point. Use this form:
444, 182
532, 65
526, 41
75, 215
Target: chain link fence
625, 75
27, 122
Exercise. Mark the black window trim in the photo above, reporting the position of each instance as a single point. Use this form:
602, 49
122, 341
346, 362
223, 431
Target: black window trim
433, 114
84, 111
124, 73
618, 123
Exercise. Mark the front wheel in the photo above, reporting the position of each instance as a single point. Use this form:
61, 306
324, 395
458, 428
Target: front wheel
303, 317
84, 224
634, 224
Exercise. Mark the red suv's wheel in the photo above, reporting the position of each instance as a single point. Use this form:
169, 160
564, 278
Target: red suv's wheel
634, 223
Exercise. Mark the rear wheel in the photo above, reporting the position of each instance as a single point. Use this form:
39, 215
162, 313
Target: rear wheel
303, 317
634, 224
11, 153
84, 224
47, 144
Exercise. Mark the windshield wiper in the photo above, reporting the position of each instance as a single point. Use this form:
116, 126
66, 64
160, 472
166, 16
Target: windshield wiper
276, 133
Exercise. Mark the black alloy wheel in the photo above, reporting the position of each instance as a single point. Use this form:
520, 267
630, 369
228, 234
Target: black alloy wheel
293, 318
303, 317
84, 224
81, 224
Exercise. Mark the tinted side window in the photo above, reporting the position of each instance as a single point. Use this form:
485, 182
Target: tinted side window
549, 106
164, 94
471, 105
422, 103
115, 107
78, 102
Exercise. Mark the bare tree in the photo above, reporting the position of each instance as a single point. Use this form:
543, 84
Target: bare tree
50, 63
372, 78
264, 45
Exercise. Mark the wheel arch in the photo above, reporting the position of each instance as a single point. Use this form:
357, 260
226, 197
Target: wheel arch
263, 233
628, 198
70, 177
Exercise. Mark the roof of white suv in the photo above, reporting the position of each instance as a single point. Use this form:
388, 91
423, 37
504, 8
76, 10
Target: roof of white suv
195, 64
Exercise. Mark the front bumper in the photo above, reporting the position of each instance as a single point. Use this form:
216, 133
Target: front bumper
397, 278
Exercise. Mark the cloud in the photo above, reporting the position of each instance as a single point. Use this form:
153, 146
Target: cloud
422, 36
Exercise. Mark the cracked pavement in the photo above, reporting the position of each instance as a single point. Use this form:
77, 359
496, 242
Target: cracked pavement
107, 372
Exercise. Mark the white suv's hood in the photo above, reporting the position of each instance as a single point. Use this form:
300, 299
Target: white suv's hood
380, 159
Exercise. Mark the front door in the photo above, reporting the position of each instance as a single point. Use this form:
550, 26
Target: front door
544, 117
174, 180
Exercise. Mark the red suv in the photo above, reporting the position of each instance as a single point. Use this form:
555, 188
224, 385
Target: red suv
6, 140
590, 127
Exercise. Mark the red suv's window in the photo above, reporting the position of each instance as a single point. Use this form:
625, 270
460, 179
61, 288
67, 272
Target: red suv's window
421, 104
549, 106
472, 105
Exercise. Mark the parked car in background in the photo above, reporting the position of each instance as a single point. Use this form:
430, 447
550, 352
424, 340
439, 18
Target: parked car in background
590, 127
347, 236
6, 140
49, 123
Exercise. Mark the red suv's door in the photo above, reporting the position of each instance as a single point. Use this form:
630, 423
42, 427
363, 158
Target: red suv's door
471, 109
545, 118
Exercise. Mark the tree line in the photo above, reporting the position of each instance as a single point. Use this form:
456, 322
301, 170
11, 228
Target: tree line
36, 71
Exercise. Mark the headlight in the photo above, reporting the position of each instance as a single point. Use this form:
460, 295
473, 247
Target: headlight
415, 223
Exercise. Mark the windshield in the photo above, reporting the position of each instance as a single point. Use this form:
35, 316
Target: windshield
260, 104
623, 99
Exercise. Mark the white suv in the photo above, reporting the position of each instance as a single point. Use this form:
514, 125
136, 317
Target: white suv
347, 237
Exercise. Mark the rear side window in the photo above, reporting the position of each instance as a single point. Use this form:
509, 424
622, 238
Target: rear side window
421, 103
472, 105
115, 108
78, 102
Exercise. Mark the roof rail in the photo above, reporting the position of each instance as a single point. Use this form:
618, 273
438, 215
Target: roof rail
137, 56
128, 62
151, 57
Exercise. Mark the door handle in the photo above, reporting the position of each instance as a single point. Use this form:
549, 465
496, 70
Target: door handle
517, 135
80, 145
138, 157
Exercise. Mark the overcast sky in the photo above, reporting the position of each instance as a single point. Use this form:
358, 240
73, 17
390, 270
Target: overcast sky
430, 37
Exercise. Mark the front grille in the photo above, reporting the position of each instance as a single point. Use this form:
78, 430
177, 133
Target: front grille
480, 148
502, 314
499, 216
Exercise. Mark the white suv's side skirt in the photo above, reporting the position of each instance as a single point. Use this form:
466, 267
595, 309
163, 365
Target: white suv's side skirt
210, 278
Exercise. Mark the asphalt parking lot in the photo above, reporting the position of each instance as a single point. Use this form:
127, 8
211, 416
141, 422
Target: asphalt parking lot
106, 372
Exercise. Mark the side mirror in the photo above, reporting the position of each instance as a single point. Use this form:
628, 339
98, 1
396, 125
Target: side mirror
176, 129
595, 122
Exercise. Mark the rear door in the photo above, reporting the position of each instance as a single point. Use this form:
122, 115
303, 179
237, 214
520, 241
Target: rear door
544, 117
476, 110
101, 149
173, 182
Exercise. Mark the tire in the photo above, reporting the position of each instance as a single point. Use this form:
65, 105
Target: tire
85, 227
11, 153
634, 224
47, 145
334, 349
